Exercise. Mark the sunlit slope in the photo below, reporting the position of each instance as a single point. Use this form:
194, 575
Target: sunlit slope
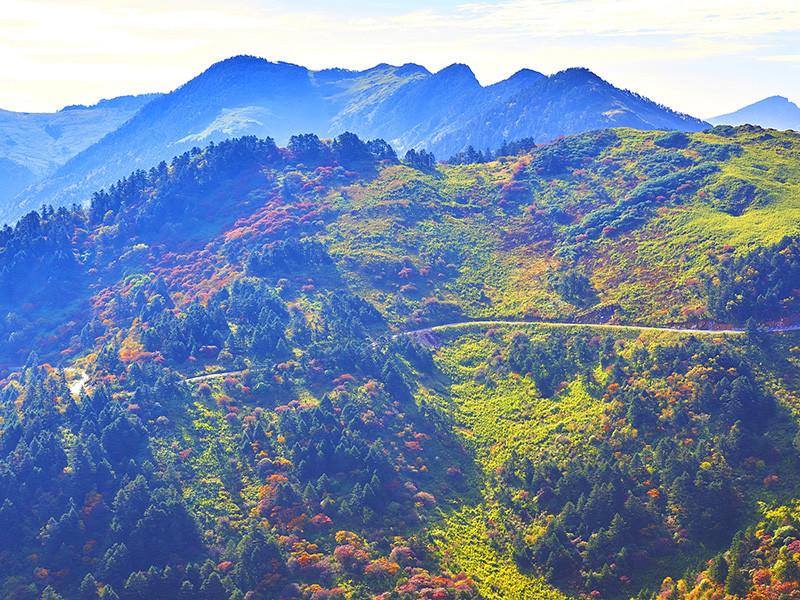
612, 226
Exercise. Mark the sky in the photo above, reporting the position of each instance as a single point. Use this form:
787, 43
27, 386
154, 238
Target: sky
702, 57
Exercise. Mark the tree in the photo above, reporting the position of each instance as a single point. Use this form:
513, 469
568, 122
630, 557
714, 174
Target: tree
256, 551
116, 563
212, 588
108, 593
50, 594
349, 149
718, 570
421, 160
88, 588
736, 583
307, 147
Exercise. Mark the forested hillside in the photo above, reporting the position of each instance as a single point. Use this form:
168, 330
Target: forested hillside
221, 403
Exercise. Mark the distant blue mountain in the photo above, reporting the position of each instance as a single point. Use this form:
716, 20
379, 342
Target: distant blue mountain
34, 145
775, 112
569, 102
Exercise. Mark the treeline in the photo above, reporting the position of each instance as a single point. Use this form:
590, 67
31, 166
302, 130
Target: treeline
553, 158
472, 156
50, 257
347, 149
145, 201
171, 193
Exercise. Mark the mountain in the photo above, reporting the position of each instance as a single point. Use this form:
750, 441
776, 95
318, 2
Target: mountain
240, 96
569, 102
407, 106
775, 112
424, 110
320, 372
33, 145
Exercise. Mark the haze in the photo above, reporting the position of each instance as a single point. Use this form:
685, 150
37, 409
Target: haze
703, 58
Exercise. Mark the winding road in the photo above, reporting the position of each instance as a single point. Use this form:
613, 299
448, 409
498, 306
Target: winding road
595, 326
223, 374
434, 328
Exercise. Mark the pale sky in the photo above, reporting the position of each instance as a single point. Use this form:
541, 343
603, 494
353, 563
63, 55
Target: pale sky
704, 57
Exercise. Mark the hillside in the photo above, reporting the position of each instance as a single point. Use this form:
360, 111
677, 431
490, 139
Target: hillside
408, 106
33, 145
332, 458
775, 112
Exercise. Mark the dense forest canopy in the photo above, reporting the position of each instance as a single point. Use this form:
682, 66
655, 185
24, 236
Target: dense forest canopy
222, 403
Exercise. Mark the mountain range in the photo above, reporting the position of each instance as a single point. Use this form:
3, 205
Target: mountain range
408, 106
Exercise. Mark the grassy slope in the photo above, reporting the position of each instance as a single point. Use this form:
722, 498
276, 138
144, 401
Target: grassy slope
647, 275
476, 250
453, 224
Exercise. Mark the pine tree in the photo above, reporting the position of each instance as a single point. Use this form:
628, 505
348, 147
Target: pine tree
88, 588
212, 588
718, 569
736, 583
50, 594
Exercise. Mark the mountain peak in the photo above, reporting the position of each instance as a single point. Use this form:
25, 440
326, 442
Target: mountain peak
774, 112
245, 63
526, 73
776, 99
576, 76
412, 68
238, 61
456, 71
405, 69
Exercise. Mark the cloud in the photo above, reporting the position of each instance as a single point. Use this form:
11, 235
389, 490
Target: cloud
556, 18
790, 58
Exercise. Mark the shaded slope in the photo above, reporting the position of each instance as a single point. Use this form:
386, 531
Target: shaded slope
569, 102
359, 95
243, 95
420, 113
33, 145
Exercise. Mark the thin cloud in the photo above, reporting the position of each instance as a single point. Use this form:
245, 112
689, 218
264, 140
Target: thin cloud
555, 18
790, 58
